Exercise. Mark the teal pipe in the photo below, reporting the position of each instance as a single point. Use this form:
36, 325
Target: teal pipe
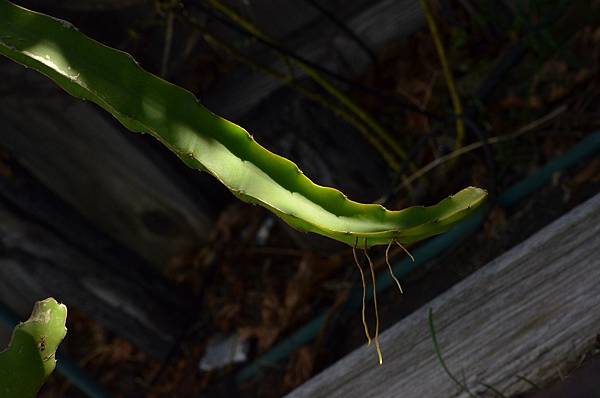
584, 149
76, 376
64, 365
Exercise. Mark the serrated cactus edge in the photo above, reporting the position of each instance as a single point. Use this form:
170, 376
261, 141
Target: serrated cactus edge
146, 103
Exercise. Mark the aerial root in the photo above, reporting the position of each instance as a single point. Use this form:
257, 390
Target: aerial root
364, 297
364, 286
405, 250
387, 261
371, 267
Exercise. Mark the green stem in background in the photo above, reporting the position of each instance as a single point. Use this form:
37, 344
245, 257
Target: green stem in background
31, 353
438, 354
456, 103
289, 81
312, 73
476, 145
145, 103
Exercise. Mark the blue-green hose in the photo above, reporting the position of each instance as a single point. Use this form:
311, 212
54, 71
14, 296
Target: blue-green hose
586, 148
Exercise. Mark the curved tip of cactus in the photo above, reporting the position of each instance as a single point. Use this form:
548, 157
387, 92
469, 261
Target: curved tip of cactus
49, 304
47, 328
51, 315
31, 354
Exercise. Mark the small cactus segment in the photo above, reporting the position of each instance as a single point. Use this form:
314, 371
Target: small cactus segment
31, 353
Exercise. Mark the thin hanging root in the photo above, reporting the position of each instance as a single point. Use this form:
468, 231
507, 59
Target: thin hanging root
364, 298
405, 250
387, 261
372, 268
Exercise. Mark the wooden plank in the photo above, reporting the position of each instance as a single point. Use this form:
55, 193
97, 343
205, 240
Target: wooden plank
527, 313
87, 160
583, 382
377, 23
114, 288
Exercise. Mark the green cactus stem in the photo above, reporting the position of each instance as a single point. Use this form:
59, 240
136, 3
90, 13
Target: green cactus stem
31, 353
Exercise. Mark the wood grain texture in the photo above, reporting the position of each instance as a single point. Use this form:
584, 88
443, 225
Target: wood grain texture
527, 313
88, 162
376, 23
125, 295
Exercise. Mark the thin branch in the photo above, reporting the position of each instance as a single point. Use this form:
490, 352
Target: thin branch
313, 73
456, 102
288, 80
344, 28
476, 145
348, 82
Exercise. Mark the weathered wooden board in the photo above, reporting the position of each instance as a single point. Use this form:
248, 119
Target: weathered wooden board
583, 382
118, 290
82, 156
376, 23
524, 314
